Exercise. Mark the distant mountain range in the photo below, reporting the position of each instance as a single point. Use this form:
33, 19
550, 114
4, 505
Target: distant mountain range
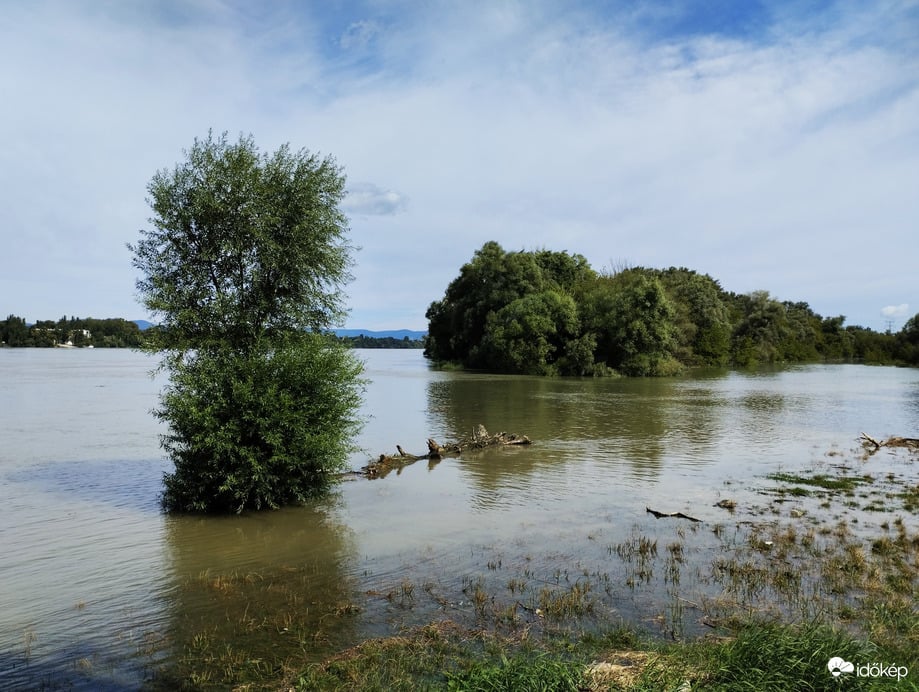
394, 333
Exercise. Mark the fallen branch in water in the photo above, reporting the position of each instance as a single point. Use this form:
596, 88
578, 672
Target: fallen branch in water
679, 515
909, 442
480, 439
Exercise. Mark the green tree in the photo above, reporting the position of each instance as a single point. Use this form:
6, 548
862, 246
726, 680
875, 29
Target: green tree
873, 347
801, 340
908, 340
530, 335
464, 327
45, 333
493, 279
14, 332
596, 305
701, 317
835, 342
563, 271
244, 268
640, 326
761, 330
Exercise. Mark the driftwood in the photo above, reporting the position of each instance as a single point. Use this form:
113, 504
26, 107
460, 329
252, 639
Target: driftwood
480, 439
679, 515
871, 445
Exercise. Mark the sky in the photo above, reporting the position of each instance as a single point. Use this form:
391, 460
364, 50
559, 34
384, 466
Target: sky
771, 145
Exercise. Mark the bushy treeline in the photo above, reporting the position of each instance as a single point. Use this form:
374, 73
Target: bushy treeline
113, 332
364, 341
545, 312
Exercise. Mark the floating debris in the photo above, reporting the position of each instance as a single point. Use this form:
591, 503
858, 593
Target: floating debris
480, 439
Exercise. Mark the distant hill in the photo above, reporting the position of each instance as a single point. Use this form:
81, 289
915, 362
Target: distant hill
393, 333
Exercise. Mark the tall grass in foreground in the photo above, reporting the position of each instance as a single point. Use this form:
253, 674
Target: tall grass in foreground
771, 656
521, 672
761, 656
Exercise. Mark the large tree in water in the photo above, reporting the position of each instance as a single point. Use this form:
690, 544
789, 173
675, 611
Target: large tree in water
243, 268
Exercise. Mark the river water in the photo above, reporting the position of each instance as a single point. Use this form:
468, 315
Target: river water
100, 590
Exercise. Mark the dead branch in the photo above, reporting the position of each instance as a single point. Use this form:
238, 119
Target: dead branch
871, 445
868, 440
480, 439
679, 515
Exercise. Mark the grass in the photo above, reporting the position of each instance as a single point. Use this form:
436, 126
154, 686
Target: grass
772, 656
535, 673
910, 499
822, 481
419, 659
761, 655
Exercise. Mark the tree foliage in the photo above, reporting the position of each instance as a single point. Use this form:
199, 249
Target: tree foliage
244, 267
245, 246
701, 317
529, 335
257, 430
908, 340
546, 312
640, 324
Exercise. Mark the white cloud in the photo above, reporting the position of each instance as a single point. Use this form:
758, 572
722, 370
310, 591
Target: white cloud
895, 311
371, 200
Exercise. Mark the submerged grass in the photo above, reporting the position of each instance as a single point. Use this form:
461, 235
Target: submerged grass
822, 481
781, 594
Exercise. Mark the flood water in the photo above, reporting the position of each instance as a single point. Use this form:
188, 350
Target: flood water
99, 589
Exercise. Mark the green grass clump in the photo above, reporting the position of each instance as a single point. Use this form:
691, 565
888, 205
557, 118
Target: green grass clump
416, 660
910, 499
840, 483
779, 657
522, 671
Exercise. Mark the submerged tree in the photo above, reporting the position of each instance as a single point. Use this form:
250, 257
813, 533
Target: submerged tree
548, 313
639, 326
244, 269
512, 312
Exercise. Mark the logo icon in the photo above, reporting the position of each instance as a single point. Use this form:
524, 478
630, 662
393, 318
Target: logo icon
838, 666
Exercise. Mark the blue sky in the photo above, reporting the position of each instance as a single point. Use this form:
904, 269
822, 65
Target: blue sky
772, 145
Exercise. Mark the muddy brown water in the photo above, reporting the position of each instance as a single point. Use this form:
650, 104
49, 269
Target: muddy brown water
98, 589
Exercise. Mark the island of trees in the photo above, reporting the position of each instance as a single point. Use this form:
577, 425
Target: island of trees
549, 313
364, 341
